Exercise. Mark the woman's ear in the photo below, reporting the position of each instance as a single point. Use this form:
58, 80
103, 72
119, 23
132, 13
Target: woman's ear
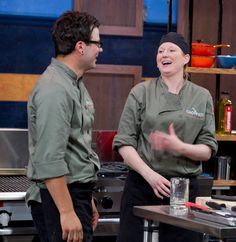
186, 59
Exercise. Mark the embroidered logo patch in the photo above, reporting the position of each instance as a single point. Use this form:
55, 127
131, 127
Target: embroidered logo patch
194, 113
88, 104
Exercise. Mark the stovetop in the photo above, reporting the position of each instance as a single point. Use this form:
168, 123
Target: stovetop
20, 183
113, 170
14, 183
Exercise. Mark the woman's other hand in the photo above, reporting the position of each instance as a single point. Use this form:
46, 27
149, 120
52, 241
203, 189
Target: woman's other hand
166, 142
171, 143
159, 184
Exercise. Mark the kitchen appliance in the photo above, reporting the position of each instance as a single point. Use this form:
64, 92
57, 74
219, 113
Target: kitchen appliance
15, 217
223, 168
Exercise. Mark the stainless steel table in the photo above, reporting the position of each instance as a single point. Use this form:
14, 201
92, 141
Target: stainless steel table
163, 214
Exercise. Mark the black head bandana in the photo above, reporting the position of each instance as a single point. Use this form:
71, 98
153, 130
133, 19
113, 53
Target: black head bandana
177, 39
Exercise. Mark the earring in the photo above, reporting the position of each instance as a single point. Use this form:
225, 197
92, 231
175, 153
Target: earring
82, 52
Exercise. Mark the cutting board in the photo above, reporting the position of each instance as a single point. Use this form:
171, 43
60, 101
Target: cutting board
203, 200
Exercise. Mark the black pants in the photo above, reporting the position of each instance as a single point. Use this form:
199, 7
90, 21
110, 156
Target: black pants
47, 218
138, 192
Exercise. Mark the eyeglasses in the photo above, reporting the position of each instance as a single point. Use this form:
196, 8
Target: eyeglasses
99, 44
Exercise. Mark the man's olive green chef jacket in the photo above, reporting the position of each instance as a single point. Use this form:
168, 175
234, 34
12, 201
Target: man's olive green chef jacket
60, 120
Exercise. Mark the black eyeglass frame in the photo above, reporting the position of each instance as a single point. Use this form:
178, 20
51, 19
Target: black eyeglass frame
99, 44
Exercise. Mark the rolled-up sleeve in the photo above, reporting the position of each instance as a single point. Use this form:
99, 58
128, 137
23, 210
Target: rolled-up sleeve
207, 133
130, 121
52, 132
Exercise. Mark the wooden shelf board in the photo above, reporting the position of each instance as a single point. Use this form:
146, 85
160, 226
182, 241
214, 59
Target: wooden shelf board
211, 70
231, 137
223, 183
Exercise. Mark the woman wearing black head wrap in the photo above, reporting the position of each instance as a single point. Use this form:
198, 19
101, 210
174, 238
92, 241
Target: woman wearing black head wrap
166, 130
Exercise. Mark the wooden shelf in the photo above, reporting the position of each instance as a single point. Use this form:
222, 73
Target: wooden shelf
226, 137
223, 183
211, 70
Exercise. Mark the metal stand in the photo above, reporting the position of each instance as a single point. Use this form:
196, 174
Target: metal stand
150, 231
205, 238
153, 215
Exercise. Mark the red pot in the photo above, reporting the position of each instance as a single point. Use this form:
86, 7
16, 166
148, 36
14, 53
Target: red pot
206, 49
202, 61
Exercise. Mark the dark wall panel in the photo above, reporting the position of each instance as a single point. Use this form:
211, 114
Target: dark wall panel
13, 115
26, 47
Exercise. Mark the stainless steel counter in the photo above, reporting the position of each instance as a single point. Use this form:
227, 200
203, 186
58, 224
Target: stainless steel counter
188, 221
14, 203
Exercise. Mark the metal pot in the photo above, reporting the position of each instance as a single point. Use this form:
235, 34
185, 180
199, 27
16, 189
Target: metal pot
206, 49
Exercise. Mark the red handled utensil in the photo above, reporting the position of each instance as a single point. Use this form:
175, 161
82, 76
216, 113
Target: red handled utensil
196, 206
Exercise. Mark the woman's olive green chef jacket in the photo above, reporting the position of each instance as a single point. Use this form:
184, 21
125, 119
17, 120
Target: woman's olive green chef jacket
151, 107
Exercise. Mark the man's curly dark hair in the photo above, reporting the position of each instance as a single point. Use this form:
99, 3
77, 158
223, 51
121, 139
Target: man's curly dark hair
71, 27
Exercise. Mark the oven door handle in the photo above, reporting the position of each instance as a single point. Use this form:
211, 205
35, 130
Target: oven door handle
18, 231
109, 220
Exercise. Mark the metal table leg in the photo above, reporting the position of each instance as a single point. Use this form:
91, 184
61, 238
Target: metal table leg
150, 231
205, 237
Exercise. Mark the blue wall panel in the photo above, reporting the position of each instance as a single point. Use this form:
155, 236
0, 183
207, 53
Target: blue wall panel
156, 11
43, 8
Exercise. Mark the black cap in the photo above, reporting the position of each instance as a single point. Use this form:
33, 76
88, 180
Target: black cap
177, 39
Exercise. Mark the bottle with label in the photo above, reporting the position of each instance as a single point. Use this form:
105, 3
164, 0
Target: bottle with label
224, 115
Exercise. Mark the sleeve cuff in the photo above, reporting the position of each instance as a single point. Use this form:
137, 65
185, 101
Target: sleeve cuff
123, 140
52, 169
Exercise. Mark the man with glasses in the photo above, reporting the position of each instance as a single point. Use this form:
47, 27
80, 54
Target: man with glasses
62, 164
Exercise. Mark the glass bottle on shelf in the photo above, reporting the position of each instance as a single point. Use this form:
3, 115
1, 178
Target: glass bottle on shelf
224, 115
